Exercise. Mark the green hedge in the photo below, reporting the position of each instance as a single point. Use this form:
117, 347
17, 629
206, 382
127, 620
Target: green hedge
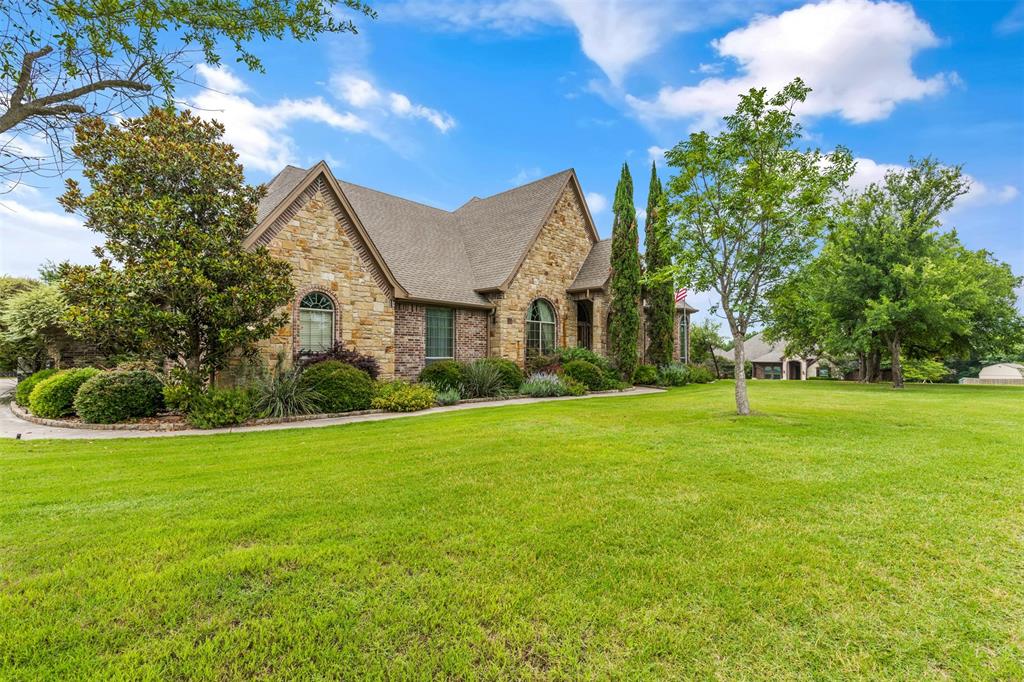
25, 386
444, 375
341, 387
400, 396
220, 407
111, 397
646, 375
586, 373
54, 397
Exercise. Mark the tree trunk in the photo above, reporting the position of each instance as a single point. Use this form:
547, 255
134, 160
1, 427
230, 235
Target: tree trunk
740, 373
897, 368
714, 361
862, 362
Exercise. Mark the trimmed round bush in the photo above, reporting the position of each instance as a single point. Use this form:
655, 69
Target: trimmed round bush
55, 397
399, 396
511, 375
700, 375
25, 386
646, 375
443, 375
111, 397
342, 387
675, 374
586, 373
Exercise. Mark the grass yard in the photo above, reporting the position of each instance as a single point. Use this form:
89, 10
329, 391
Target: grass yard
846, 531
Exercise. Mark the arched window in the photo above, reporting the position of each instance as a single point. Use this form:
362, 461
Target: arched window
316, 323
540, 328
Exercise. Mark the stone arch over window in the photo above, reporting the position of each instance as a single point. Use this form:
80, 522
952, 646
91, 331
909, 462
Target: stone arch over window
315, 322
541, 327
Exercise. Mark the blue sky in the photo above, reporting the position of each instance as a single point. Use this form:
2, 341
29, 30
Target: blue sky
441, 100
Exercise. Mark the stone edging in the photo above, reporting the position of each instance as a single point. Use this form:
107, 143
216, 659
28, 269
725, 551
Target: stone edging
24, 414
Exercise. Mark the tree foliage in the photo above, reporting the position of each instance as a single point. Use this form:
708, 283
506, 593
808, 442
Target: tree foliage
175, 277
62, 61
31, 324
747, 206
889, 280
704, 339
30, 352
658, 292
624, 325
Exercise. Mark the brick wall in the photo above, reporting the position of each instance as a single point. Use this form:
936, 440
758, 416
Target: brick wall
410, 341
411, 331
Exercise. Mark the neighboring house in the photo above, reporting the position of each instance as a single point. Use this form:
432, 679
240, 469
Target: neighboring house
1009, 373
519, 272
769, 361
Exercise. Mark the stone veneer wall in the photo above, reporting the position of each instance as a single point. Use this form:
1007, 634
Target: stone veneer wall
317, 240
548, 270
411, 331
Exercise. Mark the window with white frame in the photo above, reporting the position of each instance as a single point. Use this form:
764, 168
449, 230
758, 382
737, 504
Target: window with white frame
316, 323
440, 337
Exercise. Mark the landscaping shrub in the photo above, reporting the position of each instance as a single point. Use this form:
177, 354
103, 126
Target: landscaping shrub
511, 375
543, 364
401, 396
573, 387
55, 396
111, 397
444, 375
586, 373
338, 352
284, 394
544, 385
570, 354
25, 386
700, 375
646, 375
341, 386
180, 389
220, 407
449, 397
482, 379
675, 374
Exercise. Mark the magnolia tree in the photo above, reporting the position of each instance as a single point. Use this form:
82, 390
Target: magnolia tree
746, 208
175, 277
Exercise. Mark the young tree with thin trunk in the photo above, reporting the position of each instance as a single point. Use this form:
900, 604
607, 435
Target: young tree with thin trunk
658, 294
174, 276
747, 207
624, 325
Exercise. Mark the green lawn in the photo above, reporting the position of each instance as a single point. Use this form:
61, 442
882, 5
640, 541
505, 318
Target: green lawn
845, 531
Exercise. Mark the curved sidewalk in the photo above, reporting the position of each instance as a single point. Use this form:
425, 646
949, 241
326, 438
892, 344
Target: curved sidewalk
11, 426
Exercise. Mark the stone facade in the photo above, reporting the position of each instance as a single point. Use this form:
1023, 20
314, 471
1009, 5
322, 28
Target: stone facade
318, 241
548, 270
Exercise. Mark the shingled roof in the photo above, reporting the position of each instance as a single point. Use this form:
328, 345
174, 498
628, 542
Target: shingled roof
437, 255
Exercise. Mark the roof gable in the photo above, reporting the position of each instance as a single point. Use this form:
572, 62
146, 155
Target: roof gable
435, 255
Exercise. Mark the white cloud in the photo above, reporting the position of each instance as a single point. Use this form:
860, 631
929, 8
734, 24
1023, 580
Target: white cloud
220, 79
29, 236
614, 34
357, 91
362, 93
1012, 22
259, 132
402, 106
980, 194
856, 55
656, 153
596, 202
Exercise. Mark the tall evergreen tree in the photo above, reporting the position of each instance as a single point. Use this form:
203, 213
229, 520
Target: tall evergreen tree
658, 291
624, 326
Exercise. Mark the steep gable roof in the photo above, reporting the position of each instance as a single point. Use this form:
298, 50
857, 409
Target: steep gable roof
597, 268
436, 255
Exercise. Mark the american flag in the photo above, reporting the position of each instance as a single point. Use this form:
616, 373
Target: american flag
681, 295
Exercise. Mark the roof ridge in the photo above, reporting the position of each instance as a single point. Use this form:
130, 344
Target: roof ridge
514, 189
395, 196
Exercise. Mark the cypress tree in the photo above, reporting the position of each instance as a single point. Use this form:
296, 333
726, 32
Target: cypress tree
659, 295
624, 326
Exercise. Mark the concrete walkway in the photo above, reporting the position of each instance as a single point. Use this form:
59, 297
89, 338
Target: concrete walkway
11, 426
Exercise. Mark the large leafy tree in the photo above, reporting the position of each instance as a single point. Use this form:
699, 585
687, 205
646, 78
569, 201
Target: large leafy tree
658, 292
60, 61
30, 315
747, 207
888, 280
624, 325
174, 277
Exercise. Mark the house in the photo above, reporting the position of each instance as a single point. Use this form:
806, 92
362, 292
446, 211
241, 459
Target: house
519, 272
769, 361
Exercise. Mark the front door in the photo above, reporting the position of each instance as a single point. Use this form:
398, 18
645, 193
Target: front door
794, 369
